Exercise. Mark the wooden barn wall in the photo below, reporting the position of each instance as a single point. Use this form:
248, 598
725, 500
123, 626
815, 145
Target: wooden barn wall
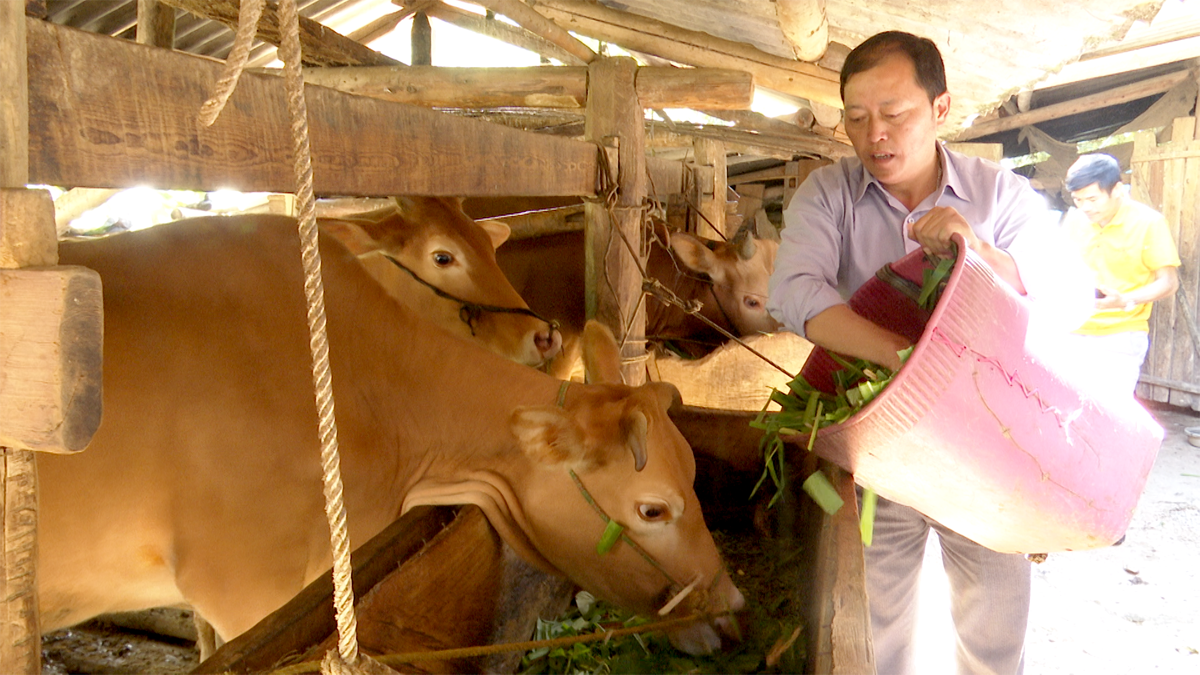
1167, 177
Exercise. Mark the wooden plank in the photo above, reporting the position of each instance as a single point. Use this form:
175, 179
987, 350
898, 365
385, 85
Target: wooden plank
82, 135
20, 635
27, 233
694, 48
710, 188
14, 97
613, 276
534, 87
320, 46
1132, 92
308, 618
543, 222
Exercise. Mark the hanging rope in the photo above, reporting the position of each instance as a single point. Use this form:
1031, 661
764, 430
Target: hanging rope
347, 658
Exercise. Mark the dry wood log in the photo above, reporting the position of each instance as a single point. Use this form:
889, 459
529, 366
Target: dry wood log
80, 134
694, 48
533, 21
535, 87
320, 45
1132, 92
504, 32
805, 27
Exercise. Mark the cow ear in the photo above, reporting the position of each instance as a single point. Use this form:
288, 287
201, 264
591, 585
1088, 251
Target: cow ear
352, 234
548, 435
498, 231
601, 355
695, 255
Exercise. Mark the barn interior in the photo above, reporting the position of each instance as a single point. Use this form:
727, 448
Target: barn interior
705, 113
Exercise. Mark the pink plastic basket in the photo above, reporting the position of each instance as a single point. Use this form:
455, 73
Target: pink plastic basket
981, 434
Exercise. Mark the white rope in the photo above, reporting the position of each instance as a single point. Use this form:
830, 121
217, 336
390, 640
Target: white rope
347, 658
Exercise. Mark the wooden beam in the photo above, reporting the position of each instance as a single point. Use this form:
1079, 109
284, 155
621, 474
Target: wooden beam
694, 48
1131, 92
533, 21
535, 87
321, 46
504, 32
155, 24
14, 97
615, 120
804, 26
543, 222
83, 135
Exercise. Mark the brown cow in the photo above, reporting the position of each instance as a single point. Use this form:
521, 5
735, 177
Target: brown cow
202, 484
428, 253
728, 278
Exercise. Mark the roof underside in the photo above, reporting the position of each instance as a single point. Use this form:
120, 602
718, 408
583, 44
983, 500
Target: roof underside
992, 51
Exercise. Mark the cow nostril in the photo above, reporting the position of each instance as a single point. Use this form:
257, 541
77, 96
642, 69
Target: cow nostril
547, 342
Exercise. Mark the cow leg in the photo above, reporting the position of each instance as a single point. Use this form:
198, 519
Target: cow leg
207, 640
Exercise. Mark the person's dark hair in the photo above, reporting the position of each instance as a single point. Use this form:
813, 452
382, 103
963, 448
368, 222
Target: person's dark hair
924, 54
1096, 167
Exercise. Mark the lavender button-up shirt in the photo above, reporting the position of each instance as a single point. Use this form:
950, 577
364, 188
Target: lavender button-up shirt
841, 226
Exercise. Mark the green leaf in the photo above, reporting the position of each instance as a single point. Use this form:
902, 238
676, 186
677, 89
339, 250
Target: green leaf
612, 532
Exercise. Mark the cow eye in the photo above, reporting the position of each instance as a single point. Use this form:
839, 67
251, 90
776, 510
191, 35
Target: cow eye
442, 258
653, 512
752, 302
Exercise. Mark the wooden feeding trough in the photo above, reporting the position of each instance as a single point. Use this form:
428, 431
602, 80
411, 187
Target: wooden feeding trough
440, 580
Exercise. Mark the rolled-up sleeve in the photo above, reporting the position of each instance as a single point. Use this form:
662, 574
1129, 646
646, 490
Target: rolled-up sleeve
805, 279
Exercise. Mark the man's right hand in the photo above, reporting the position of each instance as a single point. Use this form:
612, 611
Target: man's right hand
840, 330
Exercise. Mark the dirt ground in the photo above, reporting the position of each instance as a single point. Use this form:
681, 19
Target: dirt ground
1114, 611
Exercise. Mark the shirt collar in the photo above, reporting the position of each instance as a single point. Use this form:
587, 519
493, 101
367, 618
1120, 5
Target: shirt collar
951, 179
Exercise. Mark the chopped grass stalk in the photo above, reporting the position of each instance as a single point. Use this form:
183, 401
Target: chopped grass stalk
823, 493
612, 532
866, 520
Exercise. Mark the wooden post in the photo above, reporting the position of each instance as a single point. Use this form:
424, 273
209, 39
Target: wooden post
710, 183
615, 120
422, 40
14, 97
155, 24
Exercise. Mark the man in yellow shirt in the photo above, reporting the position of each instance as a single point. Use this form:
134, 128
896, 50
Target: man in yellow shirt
1131, 252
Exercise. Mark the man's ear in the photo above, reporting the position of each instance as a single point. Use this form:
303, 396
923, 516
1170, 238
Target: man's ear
941, 107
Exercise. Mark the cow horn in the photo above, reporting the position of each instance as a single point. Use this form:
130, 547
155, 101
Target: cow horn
763, 227
637, 438
743, 243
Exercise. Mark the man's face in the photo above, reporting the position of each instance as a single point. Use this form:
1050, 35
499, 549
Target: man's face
1099, 206
892, 123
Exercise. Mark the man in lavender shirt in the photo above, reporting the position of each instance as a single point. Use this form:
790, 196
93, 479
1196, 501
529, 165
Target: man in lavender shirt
904, 190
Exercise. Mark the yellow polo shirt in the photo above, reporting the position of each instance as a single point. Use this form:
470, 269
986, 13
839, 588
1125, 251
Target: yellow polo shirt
1124, 255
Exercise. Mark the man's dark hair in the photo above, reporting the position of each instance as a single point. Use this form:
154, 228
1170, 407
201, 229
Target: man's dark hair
924, 54
1094, 168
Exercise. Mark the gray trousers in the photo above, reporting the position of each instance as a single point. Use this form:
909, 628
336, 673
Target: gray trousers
989, 595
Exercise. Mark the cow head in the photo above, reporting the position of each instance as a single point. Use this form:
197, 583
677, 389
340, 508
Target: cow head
739, 269
615, 446
447, 250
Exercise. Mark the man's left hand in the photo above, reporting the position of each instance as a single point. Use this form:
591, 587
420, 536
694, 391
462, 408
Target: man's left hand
934, 229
